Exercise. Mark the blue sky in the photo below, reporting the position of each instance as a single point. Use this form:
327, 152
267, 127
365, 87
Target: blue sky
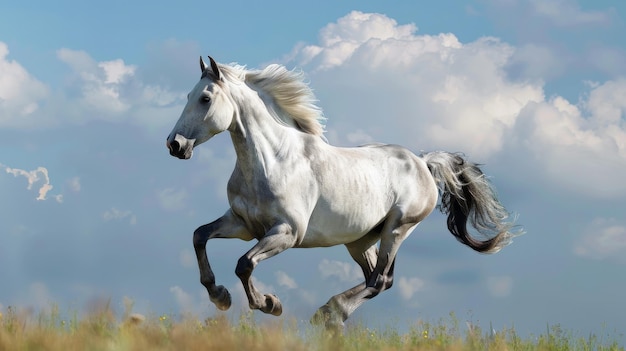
93, 206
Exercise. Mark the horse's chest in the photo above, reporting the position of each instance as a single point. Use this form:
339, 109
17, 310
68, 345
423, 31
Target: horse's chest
257, 206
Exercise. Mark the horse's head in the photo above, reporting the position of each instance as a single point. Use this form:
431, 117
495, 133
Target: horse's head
209, 111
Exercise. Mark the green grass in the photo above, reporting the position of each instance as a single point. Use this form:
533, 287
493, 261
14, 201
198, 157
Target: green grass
102, 329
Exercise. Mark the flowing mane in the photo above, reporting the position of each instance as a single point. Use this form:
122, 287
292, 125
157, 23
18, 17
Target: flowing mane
289, 91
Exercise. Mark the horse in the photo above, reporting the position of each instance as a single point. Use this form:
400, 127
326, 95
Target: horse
291, 189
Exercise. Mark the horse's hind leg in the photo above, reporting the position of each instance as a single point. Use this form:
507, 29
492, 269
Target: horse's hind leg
277, 240
395, 230
338, 308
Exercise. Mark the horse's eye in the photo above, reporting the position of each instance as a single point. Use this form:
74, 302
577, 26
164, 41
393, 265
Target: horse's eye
206, 99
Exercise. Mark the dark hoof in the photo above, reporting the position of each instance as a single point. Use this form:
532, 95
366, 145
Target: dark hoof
272, 305
222, 298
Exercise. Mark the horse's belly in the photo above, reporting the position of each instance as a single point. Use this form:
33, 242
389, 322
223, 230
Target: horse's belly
334, 225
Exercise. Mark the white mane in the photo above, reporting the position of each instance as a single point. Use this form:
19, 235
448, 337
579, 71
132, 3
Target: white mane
291, 94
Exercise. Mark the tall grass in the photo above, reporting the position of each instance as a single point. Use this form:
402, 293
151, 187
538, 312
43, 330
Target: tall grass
102, 329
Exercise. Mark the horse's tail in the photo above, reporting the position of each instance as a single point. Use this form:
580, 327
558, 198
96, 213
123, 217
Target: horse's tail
467, 194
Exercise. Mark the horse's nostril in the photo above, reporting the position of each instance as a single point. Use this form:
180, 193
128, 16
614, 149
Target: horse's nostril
175, 146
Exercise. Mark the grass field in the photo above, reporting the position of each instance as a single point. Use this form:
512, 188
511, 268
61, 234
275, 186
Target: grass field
102, 329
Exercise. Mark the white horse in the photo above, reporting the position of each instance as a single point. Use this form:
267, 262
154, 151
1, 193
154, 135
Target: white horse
290, 188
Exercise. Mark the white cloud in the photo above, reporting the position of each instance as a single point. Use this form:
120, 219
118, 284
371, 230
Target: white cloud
428, 89
171, 199
36, 176
116, 214
113, 90
607, 107
567, 13
407, 287
20, 93
605, 238
344, 271
338, 41
116, 72
433, 92
500, 286
285, 280
105, 90
581, 147
101, 82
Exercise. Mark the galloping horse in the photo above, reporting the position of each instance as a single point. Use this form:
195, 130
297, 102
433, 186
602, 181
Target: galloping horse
290, 188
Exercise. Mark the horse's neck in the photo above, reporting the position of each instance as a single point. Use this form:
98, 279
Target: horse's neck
257, 137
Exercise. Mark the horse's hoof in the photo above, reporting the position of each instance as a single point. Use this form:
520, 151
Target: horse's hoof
222, 298
272, 305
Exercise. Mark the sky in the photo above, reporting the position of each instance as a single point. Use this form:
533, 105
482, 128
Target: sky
93, 207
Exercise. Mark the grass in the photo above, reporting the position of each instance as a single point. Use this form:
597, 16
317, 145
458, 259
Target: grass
102, 329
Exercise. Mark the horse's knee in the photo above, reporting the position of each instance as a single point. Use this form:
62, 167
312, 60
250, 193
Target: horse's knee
204, 232
199, 238
244, 267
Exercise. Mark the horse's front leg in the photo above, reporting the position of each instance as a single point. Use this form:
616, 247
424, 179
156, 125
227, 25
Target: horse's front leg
227, 226
276, 240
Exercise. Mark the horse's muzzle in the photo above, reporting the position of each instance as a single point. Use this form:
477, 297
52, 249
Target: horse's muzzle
180, 146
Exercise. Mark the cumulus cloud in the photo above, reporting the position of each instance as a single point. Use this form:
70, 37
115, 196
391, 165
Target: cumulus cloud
38, 176
112, 91
581, 147
604, 238
407, 287
427, 88
339, 41
101, 82
117, 214
435, 92
344, 271
20, 94
285, 280
105, 90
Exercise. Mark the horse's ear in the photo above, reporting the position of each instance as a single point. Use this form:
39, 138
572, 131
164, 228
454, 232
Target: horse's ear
202, 65
215, 69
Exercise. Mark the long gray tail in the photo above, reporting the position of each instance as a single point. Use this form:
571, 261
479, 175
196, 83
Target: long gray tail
467, 194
